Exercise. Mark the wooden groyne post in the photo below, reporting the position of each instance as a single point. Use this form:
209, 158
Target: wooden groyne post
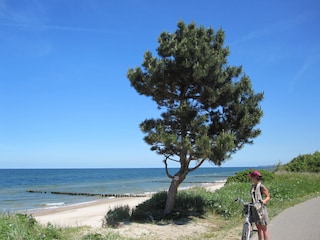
116, 195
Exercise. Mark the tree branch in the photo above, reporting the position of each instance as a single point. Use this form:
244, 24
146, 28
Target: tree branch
173, 159
197, 166
167, 171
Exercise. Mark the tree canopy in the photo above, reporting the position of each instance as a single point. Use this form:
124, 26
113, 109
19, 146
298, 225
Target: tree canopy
210, 108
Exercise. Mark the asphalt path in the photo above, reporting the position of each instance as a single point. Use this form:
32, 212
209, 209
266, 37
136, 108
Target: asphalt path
300, 222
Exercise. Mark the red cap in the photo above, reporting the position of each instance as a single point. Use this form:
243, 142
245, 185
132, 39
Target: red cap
255, 173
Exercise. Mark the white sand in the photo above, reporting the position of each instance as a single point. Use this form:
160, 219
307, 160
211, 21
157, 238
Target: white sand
91, 214
87, 214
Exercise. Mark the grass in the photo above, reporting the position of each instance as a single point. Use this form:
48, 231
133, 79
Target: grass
286, 189
25, 227
21, 226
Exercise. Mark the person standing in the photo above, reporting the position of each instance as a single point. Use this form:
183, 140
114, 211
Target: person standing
260, 197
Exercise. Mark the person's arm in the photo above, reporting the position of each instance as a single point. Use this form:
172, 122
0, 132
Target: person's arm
267, 196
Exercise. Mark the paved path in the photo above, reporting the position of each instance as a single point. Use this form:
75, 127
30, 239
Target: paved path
301, 222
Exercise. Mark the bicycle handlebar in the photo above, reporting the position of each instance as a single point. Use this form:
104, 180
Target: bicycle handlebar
240, 200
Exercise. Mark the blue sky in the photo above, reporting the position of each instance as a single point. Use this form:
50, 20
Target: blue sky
65, 101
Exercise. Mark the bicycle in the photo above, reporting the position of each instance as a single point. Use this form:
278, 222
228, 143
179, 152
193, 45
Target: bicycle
247, 225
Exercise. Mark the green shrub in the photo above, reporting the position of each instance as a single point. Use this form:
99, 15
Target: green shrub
151, 209
116, 215
243, 176
305, 163
188, 203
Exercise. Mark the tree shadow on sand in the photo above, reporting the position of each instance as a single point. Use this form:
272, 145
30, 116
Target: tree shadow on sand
186, 206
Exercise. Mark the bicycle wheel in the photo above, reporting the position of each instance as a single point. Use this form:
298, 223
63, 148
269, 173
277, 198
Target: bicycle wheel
246, 231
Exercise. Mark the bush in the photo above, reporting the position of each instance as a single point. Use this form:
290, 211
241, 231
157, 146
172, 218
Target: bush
116, 215
305, 163
151, 209
188, 203
243, 176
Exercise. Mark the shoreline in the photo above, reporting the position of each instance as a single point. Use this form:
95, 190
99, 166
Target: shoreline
92, 213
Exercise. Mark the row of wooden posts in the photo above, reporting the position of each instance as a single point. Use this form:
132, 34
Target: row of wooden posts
89, 194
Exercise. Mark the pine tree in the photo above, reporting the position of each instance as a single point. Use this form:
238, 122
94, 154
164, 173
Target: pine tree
208, 108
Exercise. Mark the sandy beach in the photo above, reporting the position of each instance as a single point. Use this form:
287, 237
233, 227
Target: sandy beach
91, 214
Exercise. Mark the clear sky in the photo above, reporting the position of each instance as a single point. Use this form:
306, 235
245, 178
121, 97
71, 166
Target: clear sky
65, 100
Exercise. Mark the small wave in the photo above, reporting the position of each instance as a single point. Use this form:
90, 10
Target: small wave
54, 204
150, 193
45, 206
221, 181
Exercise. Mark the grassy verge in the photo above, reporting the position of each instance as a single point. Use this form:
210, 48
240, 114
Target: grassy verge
218, 208
286, 189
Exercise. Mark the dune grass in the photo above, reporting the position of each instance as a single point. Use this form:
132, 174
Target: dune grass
25, 227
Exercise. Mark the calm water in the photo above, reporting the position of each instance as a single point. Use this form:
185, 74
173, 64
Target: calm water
16, 182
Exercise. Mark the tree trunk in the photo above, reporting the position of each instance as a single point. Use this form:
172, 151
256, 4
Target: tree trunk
172, 193
171, 198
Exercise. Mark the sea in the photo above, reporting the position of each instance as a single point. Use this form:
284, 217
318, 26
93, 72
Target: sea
27, 190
